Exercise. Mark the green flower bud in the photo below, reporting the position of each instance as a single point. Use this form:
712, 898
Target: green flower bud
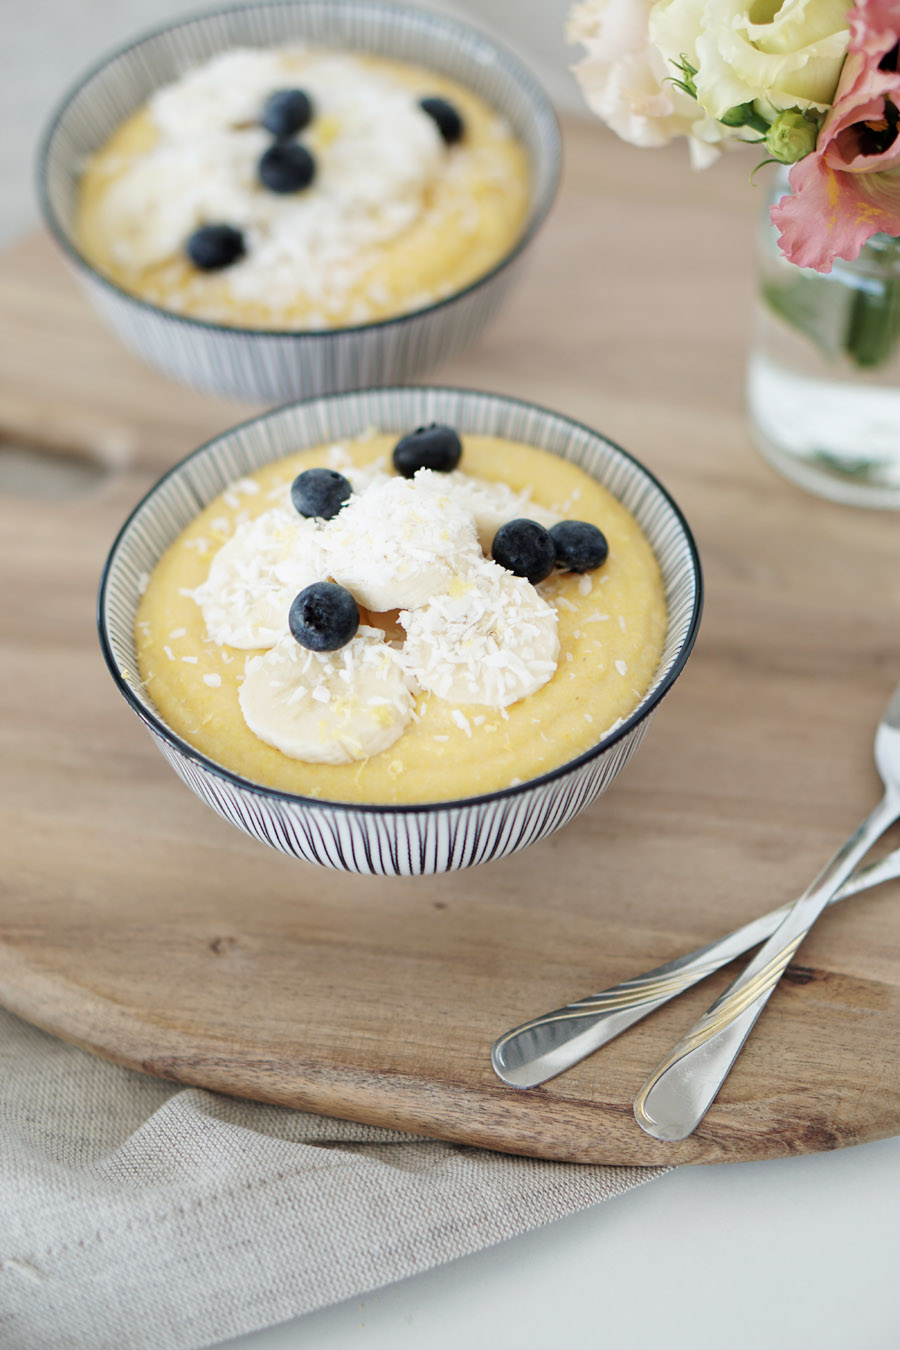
791, 136
745, 115
687, 73
737, 116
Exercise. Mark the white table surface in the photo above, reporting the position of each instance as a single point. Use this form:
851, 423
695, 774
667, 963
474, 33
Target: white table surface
800, 1252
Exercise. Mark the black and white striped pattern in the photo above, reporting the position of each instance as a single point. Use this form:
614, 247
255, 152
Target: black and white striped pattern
268, 366
399, 840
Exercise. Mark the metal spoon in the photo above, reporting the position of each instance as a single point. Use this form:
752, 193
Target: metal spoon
545, 1046
680, 1091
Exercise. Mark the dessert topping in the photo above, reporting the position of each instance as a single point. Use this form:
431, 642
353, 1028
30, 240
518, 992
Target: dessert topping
432, 447
255, 576
320, 493
493, 504
579, 545
323, 617
445, 117
489, 638
286, 167
524, 548
331, 689
372, 178
328, 707
213, 247
400, 542
286, 112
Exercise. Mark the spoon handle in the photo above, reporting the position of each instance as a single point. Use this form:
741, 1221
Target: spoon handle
682, 1088
547, 1045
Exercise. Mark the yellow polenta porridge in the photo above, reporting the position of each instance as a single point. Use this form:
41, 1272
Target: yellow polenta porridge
337, 628
299, 188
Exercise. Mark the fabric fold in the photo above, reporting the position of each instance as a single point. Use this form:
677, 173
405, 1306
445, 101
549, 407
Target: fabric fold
136, 1214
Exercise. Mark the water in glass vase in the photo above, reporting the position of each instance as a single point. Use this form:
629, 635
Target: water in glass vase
823, 379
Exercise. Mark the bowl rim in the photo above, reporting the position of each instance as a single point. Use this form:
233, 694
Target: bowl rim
537, 213
648, 704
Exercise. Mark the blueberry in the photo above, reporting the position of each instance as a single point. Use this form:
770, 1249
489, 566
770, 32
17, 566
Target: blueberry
432, 447
286, 112
444, 115
580, 546
286, 167
524, 548
215, 246
323, 617
320, 493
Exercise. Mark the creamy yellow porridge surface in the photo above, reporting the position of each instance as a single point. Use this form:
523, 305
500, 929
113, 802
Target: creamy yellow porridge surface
611, 629
473, 211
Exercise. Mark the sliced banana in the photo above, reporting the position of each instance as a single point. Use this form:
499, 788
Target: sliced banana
493, 504
488, 639
254, 577
328, 707
400, 542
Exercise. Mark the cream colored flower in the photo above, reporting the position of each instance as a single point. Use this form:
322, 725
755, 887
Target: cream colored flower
777, 54
629, 83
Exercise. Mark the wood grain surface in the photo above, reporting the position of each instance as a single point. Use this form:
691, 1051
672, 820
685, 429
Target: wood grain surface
137, 924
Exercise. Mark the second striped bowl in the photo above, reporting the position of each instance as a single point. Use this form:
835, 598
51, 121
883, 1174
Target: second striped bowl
272, 366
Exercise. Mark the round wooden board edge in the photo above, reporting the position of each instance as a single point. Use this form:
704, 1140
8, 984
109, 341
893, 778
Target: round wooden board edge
502, 1119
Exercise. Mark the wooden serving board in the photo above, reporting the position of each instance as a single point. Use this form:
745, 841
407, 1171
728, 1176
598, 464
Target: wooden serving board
139, 925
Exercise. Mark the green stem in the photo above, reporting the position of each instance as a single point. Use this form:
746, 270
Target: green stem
873, 324
854, 312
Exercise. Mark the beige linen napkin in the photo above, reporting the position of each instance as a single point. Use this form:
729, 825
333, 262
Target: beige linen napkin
135, 1215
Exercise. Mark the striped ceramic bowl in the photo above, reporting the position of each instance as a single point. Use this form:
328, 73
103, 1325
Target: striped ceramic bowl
397, 840
265, 365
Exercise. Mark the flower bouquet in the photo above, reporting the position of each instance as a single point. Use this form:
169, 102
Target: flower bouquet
814, 86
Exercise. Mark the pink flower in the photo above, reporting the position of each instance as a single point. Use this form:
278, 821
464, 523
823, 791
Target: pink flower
849, 188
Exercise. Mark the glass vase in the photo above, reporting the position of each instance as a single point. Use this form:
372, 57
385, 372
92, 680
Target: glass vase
823, 380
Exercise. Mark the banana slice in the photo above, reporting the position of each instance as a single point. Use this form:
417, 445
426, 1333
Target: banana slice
328, 707
254, 577
400, 542
493, 504
488, 639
